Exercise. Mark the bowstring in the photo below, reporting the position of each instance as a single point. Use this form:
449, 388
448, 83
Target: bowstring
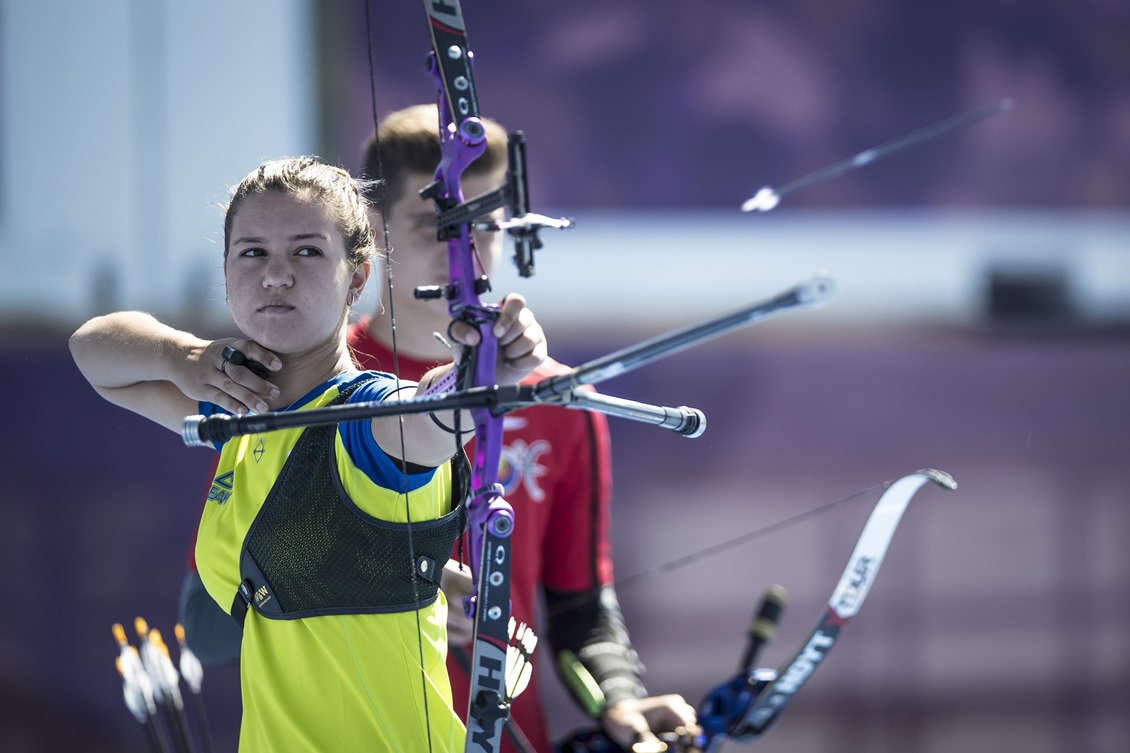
382, 205
745, 538
678, 563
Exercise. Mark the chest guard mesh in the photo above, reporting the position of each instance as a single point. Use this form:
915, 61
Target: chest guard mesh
311, 551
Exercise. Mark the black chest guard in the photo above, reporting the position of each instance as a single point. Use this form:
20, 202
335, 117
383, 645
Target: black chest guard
311, 551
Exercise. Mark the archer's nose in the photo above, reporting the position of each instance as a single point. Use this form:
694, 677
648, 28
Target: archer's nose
278, 272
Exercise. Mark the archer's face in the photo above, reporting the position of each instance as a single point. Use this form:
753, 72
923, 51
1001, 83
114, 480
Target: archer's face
417, 258
288, 277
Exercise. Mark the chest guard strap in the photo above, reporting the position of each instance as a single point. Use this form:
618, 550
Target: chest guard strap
311, 551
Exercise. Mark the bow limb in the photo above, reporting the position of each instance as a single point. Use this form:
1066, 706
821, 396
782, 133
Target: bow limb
743, 707
770, 694
490, 518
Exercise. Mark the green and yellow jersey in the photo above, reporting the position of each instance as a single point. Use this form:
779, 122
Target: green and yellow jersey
334, 682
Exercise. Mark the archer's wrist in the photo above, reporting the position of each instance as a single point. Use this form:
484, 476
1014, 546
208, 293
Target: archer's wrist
594, 696
618, 689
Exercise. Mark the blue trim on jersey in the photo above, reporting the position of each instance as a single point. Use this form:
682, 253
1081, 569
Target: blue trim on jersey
367, 455
357, 436
211, 409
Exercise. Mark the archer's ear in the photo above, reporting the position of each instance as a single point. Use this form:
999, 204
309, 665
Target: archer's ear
360, 277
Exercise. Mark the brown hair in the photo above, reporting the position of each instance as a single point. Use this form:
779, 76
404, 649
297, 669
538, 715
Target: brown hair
310, 179
408, 142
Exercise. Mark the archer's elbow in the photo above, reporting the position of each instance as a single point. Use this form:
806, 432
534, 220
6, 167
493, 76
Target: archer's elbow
83, 344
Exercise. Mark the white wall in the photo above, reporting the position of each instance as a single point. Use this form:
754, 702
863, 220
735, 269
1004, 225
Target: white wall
122, 123
900, 268
121, 126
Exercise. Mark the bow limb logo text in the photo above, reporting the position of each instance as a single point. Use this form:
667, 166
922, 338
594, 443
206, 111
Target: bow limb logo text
804, 664
847, 599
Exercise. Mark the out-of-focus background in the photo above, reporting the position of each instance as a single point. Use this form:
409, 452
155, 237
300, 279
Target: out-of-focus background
980, 327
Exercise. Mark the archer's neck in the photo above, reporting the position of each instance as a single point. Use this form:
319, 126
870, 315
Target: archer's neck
302, 372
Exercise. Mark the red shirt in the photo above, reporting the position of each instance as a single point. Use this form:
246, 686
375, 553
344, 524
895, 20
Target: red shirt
556, 470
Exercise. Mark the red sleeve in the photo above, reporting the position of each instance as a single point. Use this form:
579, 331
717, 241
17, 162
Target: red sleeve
578, 553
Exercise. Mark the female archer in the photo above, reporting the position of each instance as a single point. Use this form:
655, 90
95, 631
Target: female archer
307, 534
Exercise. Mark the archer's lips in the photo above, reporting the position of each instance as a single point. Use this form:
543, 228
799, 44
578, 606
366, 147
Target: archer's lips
275, 307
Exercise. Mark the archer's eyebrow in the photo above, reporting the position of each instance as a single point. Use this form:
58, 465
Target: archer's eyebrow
292, 239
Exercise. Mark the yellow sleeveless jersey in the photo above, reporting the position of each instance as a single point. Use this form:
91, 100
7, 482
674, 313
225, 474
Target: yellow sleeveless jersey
335, 682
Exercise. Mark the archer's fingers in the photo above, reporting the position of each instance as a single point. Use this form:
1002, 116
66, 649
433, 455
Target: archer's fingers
463, 333
456, 581
243, 377
513, 319
254, 357
667, 712
233, 394
237, 400
240, 388
520, 358
256, 352
625, 725
520, 337
456, 584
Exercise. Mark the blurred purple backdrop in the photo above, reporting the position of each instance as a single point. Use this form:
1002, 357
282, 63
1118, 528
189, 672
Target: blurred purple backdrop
999, 622
662, 103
